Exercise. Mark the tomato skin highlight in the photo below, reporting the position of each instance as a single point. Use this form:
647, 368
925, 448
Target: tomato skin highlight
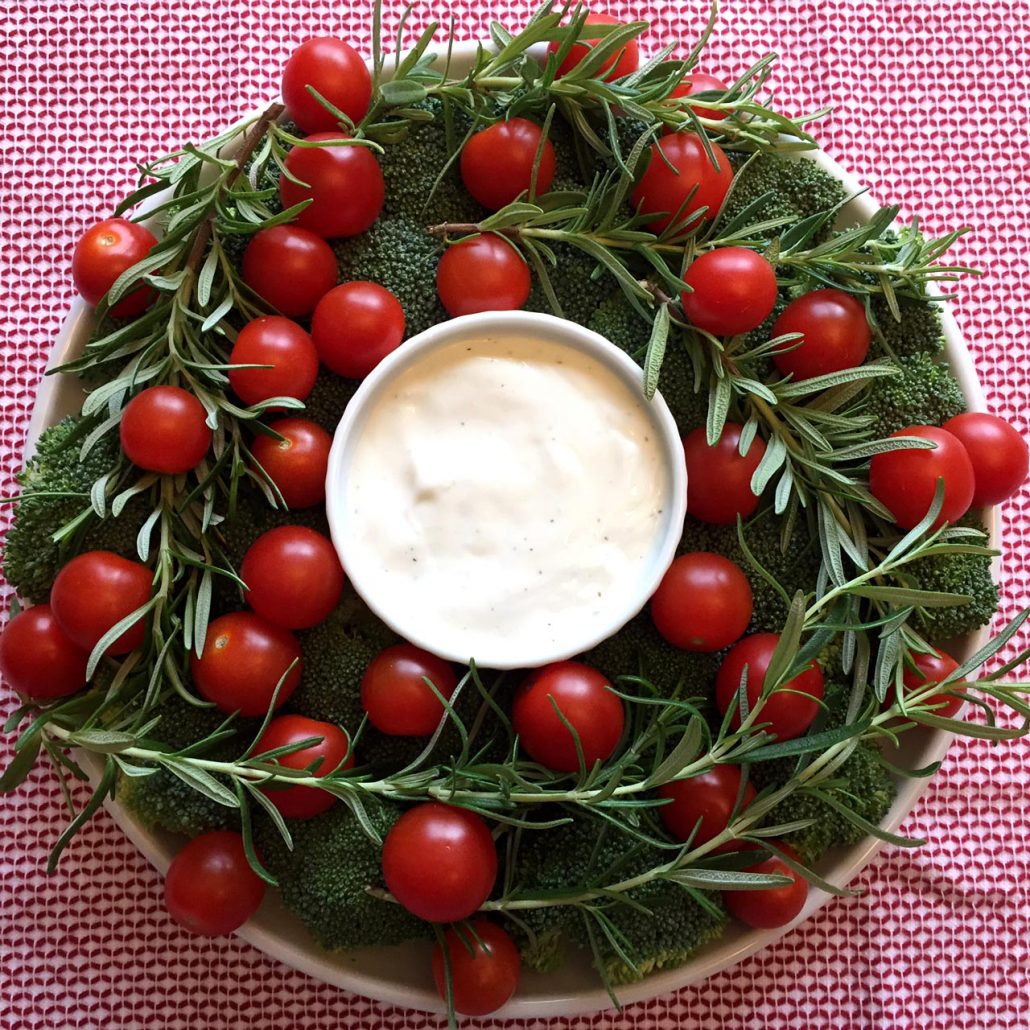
497, 163
337, 72
719, 478
293, 575
38, 659
704, 802
787, 711
440, 862
703, 603
296, 464
836, 334
905, 481
94, 592
483, 273
334, 750
701, 82
164, 429
289, 268
734, 291
355, 326
344, 183
210, 888
484, 980
773, 906
276, 341
395, 697
244, 658
930, 668
623, 62
662, 190
102, 254
583, 696
1000, 456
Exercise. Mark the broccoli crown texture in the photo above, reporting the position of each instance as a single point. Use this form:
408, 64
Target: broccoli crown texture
918, 331
576, 289
923, 393
328, 398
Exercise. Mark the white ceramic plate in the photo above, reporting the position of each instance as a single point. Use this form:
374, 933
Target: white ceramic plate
400, 975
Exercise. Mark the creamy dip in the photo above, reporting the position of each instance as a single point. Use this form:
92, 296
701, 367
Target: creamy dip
503, 494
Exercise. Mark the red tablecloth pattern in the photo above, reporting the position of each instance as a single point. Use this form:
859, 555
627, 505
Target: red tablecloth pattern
930, 110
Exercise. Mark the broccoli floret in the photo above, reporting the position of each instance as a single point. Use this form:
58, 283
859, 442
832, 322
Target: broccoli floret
918, 332
923, 393
328, 399
578, 292
617, 320
323, 880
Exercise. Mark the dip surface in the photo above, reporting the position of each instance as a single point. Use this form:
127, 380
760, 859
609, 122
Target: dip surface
503, 495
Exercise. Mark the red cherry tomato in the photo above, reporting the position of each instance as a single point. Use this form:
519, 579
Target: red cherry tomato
294, 578
582, 695
774, 906
344, 184
440, 862
933, 668
103, 253
700, 82
905, 481
835, 332
681, 179
289, 268
719, 478
483, 273
276, 341
704, 803
164, 429
483, 979
94, 592
38, 659
336, 71
243, 660
334, 750
395, 695
788, 711
210, 888
355, 326
297, 463
1000, 456
623, 62
734, 291
703, 602
497, 163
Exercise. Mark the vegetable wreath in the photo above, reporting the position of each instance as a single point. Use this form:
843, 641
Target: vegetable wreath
190, 622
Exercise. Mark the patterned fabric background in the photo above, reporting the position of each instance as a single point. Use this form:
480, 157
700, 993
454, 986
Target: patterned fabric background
930, 107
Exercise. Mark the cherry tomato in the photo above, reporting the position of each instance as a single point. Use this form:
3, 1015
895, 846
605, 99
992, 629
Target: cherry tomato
705, 803
835, 332
38, 659
336, 71
583, 696
294, 578
734, 291
355, 326
905, 481
210, 888
788, 711
483, 979
483, 273
497, 163
243, 660
289, 268
344, 184
297, 463
623, 62
395, 695
440, 862
700, 82
276, 341
335, 753
774, 906
1000, 456
933, 668
94, 592
703, 602
692, 181
719, 478
164, 429
103, 253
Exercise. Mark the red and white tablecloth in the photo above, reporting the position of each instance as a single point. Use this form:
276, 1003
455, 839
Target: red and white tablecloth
930, 106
